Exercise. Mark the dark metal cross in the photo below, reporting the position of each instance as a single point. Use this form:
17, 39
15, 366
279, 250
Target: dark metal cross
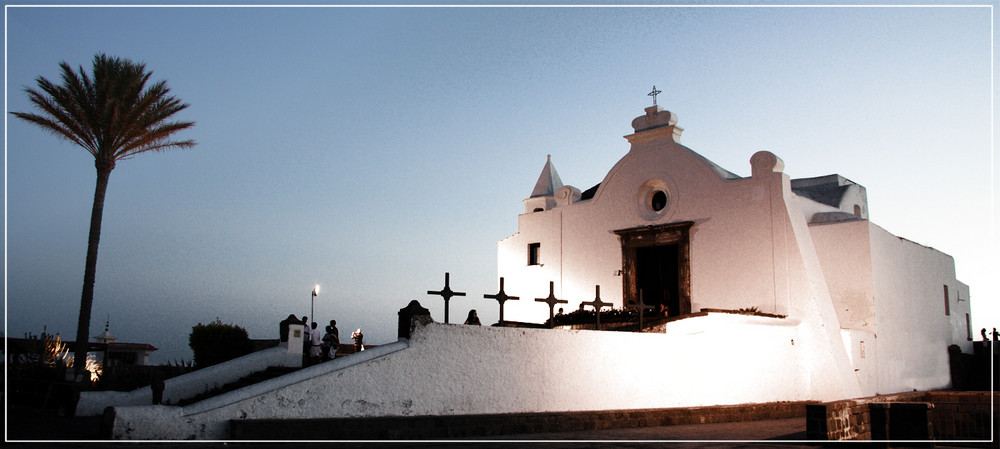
653, 94
597, 304
551, 301
642, 306
501, 298
446, 293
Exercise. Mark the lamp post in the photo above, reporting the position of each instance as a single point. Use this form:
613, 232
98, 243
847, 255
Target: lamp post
312, 307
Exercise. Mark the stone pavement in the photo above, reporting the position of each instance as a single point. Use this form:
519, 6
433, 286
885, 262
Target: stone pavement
30, 428
790, 429
786, 433
768, 434
485, 427
721, 435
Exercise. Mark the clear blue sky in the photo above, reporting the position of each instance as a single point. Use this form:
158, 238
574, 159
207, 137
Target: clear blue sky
370, 150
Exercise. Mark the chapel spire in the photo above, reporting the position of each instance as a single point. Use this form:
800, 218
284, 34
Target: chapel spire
548, 182
543, 196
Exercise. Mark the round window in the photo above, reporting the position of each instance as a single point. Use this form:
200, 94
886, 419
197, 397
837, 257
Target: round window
655, 200
658, 201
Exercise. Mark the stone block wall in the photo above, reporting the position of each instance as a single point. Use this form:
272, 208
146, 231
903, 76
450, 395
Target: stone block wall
840, 420
871, 418
848, 419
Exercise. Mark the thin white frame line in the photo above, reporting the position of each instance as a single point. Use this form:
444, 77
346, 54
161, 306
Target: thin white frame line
453, 6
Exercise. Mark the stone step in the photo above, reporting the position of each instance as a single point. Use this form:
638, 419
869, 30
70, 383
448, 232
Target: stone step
252, 378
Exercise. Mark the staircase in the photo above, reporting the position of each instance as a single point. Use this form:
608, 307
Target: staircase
251, 379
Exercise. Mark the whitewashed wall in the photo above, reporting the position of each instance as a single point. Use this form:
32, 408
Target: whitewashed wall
912, 328
862, 349
456, 370
844, 250
739, 225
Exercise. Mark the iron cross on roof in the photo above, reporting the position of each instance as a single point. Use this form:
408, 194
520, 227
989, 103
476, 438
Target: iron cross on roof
551, 301
501, 297
653, 94
446, 293
597, 304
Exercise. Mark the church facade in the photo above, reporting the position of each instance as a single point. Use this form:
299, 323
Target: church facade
688, 235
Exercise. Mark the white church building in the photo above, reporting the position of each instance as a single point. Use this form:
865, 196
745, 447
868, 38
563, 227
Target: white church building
844, 310
691, 235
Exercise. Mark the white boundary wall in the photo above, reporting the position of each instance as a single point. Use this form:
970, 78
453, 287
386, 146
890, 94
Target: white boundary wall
192, 384
458, 370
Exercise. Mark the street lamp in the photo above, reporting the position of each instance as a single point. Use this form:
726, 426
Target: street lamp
312, 307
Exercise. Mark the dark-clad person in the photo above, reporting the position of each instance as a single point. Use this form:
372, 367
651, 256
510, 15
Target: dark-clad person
358, 340
331, 341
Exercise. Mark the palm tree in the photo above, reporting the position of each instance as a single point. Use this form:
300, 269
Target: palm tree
114, 116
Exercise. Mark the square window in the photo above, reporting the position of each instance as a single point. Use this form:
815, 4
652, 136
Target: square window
533, 249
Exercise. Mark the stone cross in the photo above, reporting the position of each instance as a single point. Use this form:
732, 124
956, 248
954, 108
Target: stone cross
501, 297
551, 301
597, 304
642, 306
446, 293
653, 94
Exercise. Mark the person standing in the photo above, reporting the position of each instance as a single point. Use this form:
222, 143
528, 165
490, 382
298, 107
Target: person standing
334, 339
473, 318
358, 340
325, 349
330, 344
315, 350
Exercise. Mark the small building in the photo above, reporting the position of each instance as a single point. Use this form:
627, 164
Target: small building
112, 353
688, 235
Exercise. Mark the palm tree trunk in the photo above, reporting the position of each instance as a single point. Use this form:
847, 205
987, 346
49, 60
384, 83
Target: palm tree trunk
89, 275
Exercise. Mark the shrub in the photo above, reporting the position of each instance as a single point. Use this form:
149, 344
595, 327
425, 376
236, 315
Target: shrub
215, 343
589, 316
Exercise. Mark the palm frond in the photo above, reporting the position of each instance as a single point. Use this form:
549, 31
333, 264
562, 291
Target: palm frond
111, 113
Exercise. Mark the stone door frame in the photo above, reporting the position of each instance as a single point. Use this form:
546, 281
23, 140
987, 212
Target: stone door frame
658, 235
